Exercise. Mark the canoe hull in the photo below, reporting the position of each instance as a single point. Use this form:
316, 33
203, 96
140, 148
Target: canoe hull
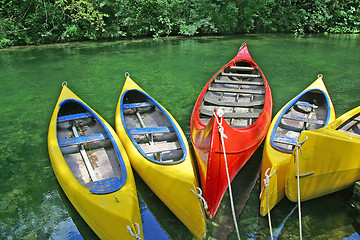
172, 183
276, 161
329, 161
240, 143
106, 215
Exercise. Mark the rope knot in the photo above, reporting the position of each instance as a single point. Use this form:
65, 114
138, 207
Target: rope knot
299, 144
218, 114
267, 176
199, 195
267, 179
137, 235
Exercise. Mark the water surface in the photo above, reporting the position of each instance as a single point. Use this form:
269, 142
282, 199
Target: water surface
173, 71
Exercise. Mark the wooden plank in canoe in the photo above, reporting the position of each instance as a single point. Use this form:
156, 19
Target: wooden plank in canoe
304, 119
347, 126
208, 112
82, 139
241, 75
357, 118
160, 147
215, 100
285, 140
73, 117
138, 105
235, 90
240, 68
238, 82
147, 130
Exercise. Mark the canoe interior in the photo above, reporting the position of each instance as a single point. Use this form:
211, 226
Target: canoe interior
87, 149
351, 126
151, 128
308, 112
239, 91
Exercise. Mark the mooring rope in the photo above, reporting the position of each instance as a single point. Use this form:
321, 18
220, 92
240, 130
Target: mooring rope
266, 184
137, 235
199, 195
218, 115
298, 146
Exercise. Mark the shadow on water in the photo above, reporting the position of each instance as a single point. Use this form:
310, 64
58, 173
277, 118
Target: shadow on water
242, 186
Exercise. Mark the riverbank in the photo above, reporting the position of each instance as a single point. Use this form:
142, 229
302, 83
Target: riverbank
42, 22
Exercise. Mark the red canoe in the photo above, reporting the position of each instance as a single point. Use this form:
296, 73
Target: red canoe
242, 93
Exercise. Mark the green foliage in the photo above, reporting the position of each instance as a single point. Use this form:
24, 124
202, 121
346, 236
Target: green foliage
47, 21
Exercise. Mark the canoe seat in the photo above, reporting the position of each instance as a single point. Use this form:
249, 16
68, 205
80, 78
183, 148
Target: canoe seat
237, 90
241, 68
105, 186
284, 139
304, 119
138, 105
213, 99
238, 82
241, 75
148, 130
306, 104
82, 139
73, 117
241, 115
160, 147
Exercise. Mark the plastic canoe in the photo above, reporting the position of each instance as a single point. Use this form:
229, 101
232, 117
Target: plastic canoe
159, 152
93, 169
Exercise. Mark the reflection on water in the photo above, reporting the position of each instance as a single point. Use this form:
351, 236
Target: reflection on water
173, 71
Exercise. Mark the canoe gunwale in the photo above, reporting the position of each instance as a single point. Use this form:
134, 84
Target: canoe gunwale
176, 130
108, 133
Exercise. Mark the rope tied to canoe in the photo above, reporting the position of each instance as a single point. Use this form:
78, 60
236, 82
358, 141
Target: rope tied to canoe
218, 116
137, 235
266, 184
200, 197
298, 146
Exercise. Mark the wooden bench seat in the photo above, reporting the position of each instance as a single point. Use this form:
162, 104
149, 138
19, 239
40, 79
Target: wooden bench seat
73, 117
209, 112
148, 130
240, 68
82, 139
306, 104
236, 90
160, 147
285, 140
138, 105
238, 82
215, 100
304, 119
241, 75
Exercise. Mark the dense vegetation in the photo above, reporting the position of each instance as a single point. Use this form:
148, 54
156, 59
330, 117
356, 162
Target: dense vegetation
49, 21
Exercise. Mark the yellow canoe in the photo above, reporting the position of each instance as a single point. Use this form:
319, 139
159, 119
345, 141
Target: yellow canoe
93, 169
330, 159
311, 109
159, 152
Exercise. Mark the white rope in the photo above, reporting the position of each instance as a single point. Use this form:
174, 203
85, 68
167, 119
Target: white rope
298, 146
218, 115
199, 195
266, 184
137, 235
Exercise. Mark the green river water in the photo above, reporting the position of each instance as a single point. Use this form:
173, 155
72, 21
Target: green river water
173, 71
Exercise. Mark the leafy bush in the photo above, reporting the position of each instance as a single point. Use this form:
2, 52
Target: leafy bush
48, 21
